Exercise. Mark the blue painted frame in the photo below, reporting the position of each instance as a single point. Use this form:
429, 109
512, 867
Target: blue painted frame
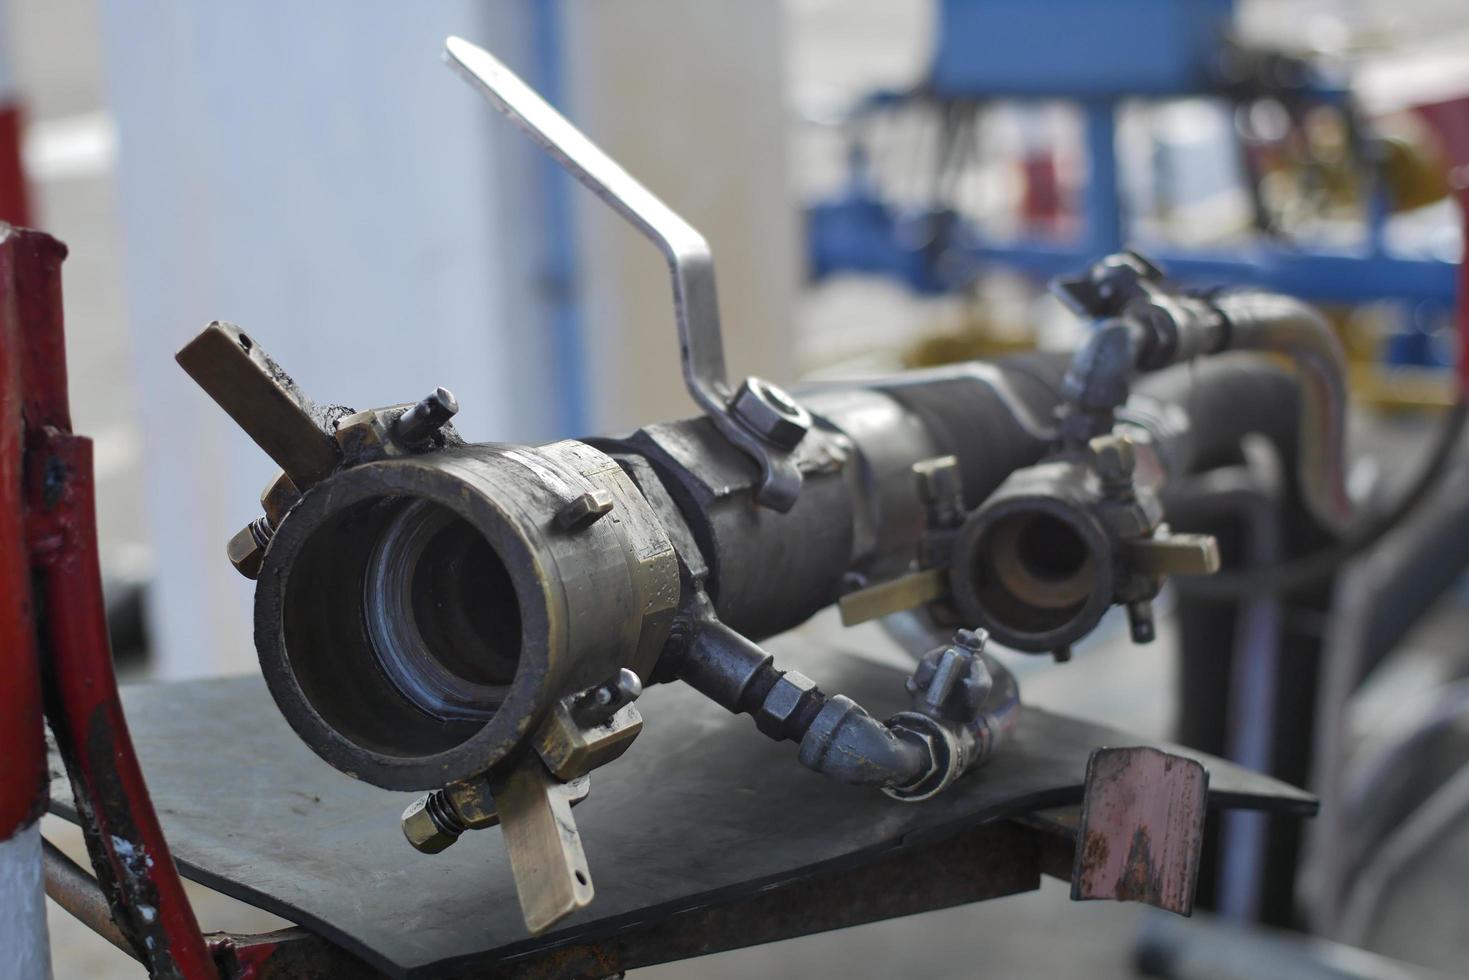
1098, 55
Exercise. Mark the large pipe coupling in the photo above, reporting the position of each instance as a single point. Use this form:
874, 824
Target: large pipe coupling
1033, 564
416, 617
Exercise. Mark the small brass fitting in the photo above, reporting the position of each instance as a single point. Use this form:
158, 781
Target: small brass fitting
592, 728
362, 435
430, 825
278, 497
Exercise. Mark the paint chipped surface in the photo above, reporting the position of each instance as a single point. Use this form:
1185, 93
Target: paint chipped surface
1142, 828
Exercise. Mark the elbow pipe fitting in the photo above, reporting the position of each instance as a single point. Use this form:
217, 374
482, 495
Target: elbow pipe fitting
849, 745
956, 723
999, 715
1144, 325
1271, 322
965, 704
1141, 325
837, 737
1099, 377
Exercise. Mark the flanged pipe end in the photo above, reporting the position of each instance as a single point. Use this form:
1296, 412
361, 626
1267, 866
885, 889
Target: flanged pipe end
1035, 565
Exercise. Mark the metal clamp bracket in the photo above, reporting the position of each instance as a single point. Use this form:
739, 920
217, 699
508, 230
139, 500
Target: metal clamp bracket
759, 418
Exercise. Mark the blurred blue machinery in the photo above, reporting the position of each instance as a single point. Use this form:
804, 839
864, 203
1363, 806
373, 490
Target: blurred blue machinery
1098, 55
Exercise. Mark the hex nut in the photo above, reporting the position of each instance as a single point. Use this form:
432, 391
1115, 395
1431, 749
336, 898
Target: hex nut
941, 488
246, 551
1115, 458
1133, 518
782, 703
362, 435
278, 497
422, 831
770, 413
974, 639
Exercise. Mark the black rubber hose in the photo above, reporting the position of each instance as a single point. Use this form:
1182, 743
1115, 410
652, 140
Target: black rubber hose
1225, 398
1007, 407
1311, 569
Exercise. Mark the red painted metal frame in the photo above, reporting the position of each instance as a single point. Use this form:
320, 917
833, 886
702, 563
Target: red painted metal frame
54, 647
15, 198
22, 745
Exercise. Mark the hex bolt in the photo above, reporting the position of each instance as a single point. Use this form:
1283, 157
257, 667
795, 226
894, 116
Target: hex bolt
430, 823
277, 498
1114, 460
941, 488
585, 510
974, 639
417, 425
597, 706
787, 703
770, 413
1140, 621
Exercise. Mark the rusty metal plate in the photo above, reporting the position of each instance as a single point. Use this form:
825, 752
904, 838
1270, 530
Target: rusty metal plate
1142, 828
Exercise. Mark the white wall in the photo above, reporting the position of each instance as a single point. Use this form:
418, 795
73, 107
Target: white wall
690, 98
313, 173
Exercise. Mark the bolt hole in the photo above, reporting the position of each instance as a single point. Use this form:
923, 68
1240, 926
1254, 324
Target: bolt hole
581, 878
246, 343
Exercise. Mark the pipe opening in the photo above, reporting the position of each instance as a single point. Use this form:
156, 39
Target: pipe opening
1033, 573
441, 613
402, 626
1048, 549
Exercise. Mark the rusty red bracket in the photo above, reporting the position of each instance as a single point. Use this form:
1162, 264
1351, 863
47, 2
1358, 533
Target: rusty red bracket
55, 653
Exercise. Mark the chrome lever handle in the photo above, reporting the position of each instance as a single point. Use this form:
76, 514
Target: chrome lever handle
759, 418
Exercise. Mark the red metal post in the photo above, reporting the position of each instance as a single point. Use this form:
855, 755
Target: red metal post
23, 777
69, 626
15, 198
15, 203
22, 741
